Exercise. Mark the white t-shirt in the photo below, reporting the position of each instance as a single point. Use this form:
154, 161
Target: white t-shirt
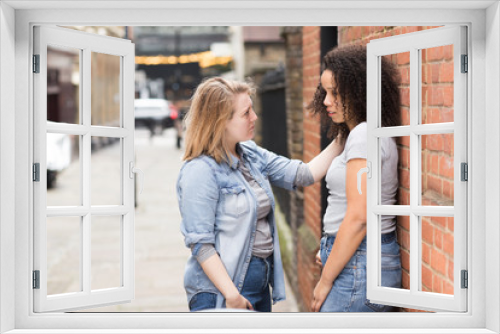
355, 147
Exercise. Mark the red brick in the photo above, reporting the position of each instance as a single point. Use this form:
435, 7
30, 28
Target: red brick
405, 116
405, 96
404, 222
424, 69
435, 96
427, 232
403, 197
447, 113
437, 284
451, 273
438, 261
435, 184
448, 52
439, 221
426, 277
434, 142
434, 72
448, 189
405, 280
448, 244
424, 92
405, 260
435, 54
446, 168
405, 75
404, 157
404, 141
403, 58
448, 143
447, 288
404, 178
438, 238
446, 72
451, 224
426, 253
434, 164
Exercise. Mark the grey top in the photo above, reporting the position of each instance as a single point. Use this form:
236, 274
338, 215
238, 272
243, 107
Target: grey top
355, 147
263, 245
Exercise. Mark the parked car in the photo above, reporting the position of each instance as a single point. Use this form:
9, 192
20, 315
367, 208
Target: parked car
58, 156
153, 114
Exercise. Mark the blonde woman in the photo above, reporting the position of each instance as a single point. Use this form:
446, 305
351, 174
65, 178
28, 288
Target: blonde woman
226, 202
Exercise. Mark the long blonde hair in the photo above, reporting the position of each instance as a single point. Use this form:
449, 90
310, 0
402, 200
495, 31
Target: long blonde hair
211, 107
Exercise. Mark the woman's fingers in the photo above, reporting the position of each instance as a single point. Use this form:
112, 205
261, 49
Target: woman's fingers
318, 258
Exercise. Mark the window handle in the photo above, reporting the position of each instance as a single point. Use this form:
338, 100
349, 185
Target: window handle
132, 171
368, 171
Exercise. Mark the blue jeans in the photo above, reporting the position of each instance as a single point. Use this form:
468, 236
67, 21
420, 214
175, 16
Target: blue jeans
255, 288
348, 293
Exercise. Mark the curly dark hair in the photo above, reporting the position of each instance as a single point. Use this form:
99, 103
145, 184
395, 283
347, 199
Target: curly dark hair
348, 65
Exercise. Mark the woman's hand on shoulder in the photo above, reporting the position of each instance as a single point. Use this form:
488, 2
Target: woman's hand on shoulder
238, 301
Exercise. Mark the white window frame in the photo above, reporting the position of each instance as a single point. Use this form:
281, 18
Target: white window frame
413, 43
16, 21
86, 44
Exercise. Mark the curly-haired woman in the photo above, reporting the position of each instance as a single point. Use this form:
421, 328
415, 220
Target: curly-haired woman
341, 96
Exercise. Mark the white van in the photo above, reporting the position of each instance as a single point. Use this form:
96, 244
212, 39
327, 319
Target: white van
153, 114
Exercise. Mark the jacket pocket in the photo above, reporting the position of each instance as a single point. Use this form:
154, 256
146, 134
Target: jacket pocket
235, 201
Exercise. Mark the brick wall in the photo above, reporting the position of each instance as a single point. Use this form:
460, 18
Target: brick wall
310, 231
437, 156
293, 94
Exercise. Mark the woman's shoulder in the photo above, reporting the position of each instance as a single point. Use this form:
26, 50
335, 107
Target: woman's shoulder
358, 135
359, 130
202, 164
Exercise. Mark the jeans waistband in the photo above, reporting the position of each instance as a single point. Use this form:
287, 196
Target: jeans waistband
386, 237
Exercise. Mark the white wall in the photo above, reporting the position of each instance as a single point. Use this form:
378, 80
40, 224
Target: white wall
492, 154
7, 159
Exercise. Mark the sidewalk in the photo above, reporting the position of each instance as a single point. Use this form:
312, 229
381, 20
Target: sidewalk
160, 253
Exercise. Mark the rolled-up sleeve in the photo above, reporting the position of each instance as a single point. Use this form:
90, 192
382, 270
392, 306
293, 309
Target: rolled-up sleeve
197, 194
281, 170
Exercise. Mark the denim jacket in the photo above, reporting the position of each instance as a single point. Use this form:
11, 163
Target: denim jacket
218, 206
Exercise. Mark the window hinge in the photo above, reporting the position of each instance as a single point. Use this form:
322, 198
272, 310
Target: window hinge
36, 172
36, 279
464, 171
36, 63
465, 64
465, 279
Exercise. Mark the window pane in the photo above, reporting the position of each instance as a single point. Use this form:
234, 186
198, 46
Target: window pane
63, 170
390, 101
106, 171
403, 235
106, 252
64, 242
437, 84
105, 91
396, 254
437, 254
437, 170
63, 84
387, 179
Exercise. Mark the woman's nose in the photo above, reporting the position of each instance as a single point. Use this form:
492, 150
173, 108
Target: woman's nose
254, 118
327, 101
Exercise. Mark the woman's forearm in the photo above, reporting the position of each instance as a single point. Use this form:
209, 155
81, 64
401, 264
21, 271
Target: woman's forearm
217, 273
346, 243
319, 164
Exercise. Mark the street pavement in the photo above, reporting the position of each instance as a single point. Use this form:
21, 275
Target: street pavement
160, 253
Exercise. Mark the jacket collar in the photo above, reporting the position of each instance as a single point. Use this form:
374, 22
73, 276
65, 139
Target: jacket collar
244, 153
